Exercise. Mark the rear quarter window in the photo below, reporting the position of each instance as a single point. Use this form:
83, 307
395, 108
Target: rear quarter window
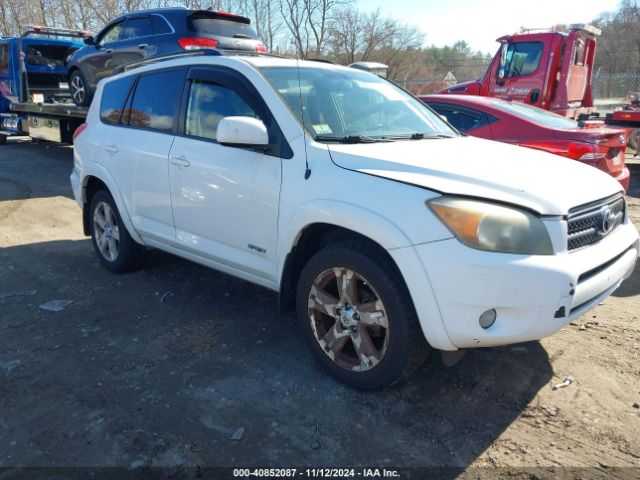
113, 97
156, 100
160, 25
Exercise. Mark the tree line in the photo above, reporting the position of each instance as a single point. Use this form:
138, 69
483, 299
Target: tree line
618, 48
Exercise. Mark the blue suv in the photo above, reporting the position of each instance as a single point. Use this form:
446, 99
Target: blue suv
139, 35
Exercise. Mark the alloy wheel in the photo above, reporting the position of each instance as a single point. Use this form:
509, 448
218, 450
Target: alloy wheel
107, 233
348, 319
77, 89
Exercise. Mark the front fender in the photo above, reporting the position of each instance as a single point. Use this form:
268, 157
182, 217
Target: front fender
341, 214
385, 233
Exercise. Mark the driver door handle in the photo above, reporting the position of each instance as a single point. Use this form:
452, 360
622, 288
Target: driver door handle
143, 45
111, 149
180, 161
109, 50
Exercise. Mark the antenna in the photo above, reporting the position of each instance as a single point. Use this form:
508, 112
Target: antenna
307, 171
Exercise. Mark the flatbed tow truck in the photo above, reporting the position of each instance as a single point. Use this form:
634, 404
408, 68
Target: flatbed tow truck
35, 100
551, 69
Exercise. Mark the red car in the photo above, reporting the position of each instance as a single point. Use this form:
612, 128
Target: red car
529, 126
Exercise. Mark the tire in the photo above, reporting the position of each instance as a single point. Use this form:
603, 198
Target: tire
79, 89
372, 342
634, 139
114, 246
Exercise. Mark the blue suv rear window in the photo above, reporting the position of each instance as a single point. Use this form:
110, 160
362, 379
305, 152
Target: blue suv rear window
112, 100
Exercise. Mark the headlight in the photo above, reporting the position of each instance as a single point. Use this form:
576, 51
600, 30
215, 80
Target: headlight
493, 227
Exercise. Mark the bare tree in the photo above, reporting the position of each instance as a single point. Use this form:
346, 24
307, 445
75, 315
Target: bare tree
295, 18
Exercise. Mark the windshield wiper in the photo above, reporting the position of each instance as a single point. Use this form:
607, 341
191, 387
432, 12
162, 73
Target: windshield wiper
419, 136
352, 139
242, 35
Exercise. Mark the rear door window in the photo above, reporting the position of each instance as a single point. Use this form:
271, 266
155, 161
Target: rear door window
156, 100
112, 101
214, 24
136, 27
464, 119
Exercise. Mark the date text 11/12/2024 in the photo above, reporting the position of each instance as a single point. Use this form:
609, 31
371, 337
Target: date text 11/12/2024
315, 473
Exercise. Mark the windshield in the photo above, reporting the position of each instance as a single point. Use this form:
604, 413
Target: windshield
350, 104
537, 115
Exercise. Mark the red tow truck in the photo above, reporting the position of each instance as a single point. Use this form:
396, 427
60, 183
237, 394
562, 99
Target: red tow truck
550, 69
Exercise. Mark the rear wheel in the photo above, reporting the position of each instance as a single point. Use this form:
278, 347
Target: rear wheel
358, 317
79, 89
115, 248
634, 138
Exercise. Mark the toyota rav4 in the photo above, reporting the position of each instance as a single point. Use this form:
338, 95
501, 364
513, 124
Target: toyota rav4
381, 226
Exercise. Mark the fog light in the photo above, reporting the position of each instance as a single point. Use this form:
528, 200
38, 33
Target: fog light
487, 318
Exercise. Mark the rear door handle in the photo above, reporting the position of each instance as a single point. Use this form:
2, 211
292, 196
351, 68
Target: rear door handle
111, 149
109, 50
180, 161
143, 45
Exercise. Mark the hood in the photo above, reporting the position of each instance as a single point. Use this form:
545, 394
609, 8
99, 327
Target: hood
539, 181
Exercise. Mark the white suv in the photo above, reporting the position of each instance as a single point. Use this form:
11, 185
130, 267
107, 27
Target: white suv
377, 221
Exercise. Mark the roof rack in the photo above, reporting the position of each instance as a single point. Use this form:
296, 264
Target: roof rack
564, 29
214, 52
53, 31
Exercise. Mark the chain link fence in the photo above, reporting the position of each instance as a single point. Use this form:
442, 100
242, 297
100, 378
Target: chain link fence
624, 86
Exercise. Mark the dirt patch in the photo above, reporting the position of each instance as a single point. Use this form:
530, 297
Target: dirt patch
164, 366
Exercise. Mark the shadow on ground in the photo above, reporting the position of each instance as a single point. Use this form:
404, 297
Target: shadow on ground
162, 367
34, 170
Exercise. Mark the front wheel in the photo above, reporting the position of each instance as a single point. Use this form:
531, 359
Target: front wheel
356, 312
115, 248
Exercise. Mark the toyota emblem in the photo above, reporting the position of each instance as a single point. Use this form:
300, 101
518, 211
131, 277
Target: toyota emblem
607, 221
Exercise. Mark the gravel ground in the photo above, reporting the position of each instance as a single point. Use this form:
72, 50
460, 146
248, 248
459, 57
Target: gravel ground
171, 365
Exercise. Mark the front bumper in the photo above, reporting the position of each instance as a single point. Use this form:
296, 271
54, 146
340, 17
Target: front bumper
534, 296
623, 178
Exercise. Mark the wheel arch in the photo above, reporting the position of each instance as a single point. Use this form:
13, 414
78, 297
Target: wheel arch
94, 182
319, 223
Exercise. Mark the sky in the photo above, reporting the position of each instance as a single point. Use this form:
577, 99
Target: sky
480, 22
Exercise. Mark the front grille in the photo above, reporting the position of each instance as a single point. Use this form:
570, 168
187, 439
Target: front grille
590, 223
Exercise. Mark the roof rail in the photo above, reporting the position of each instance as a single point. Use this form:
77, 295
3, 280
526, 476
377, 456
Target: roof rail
170, 56
215, 52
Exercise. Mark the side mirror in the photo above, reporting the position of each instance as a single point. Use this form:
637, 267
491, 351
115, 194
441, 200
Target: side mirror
242, 132
89, 40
